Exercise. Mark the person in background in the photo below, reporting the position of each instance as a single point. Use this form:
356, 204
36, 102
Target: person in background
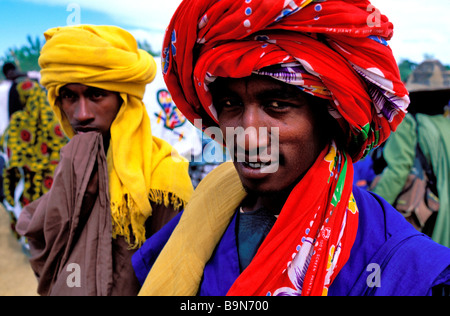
9, 104
290, 221
15, 76
422, 142
430, 133
31, 145
364, 172
116, 184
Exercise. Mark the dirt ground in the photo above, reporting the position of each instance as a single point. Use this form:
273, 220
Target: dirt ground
16, 276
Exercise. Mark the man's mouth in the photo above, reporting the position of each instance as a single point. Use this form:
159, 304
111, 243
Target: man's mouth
84, 130
259, 167
256, 165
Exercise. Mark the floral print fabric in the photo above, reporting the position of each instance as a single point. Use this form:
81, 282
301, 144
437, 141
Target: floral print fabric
32, 143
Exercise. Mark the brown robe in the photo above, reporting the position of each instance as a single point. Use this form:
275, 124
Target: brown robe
69, 229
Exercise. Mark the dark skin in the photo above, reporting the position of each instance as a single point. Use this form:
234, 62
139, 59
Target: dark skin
90, 109
13, 74
259, 101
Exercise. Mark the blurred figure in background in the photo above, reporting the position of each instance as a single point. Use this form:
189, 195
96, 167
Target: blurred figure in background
427, 129
31, 146
9, 103
15, 77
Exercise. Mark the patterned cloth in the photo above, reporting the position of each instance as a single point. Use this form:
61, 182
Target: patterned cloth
332, 49
32, 143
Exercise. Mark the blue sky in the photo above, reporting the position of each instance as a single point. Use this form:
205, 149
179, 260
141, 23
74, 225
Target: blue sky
419, 28
143, 19
21, 18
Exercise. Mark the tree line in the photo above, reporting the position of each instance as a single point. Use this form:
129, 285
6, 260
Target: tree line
26, 57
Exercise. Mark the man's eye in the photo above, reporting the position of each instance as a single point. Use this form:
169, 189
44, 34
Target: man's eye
68, 96
97, 95
226, 104
229, 103
277, 105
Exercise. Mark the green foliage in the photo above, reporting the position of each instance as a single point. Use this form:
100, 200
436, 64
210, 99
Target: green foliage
145, 45
406, 68
25, 57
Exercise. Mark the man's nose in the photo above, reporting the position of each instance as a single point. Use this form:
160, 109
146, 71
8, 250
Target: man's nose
255, 127
83, 111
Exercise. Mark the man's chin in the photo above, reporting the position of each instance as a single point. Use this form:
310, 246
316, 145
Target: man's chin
255, 191
271, 187
258, 186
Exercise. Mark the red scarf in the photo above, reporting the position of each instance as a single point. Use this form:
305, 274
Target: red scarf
312, 238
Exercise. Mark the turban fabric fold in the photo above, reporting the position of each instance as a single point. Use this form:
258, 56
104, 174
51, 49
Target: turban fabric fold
332, 49
141, 168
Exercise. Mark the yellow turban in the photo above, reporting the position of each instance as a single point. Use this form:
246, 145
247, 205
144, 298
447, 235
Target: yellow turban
141, 167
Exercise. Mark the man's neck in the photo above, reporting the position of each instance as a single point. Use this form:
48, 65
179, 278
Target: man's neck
272, 201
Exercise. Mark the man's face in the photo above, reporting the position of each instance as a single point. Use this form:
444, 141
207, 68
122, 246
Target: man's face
89, 109
261, 102
10, 74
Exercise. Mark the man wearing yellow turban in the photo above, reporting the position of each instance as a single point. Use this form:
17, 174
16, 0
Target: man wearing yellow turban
96, 78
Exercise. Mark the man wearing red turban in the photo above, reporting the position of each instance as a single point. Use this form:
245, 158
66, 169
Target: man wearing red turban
321, 77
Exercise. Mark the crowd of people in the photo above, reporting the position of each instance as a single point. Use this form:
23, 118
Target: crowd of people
303, 209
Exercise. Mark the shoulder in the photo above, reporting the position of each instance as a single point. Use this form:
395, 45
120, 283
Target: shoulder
389, 250
146, 256
213, 186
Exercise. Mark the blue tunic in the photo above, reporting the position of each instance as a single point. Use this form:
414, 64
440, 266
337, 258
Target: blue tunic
389, 257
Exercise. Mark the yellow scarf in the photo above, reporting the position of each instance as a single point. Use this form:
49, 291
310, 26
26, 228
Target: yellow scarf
141, 167
179, 268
